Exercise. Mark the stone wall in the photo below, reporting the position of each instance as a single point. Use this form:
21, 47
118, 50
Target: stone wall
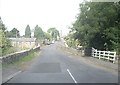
10, 58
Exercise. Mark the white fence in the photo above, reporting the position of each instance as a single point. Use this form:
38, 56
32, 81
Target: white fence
106, 55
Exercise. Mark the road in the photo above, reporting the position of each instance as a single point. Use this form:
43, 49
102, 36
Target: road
54, 66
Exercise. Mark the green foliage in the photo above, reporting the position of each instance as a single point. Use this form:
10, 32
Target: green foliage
27, 58
98, 24
23, 60
27, 32
2, 26
4, 42
38, 33
13, 33
8, 50
71, 42
54, 33
8, 34
47, 36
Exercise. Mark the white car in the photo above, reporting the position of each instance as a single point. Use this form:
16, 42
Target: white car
53, 42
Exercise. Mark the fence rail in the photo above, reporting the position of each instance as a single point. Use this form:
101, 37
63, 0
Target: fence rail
106, 55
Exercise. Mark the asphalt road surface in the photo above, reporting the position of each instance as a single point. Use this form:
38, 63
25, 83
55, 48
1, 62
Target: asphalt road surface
53, 66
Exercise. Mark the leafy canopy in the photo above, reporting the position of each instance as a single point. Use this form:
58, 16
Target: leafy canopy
27, 32
54, 33
97, 25
38, 33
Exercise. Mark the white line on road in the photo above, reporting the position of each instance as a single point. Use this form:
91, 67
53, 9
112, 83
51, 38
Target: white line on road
71, 76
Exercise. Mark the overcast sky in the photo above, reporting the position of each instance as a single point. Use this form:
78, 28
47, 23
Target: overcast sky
46, 13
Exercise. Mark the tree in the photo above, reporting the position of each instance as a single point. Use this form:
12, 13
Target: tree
47, 36
2, 39
8, 34
38, 33
54, 33
2, 26
4, 42
13, 33
28, 32
70, 41
97, 25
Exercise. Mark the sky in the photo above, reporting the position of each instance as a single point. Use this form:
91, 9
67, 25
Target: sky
45, 13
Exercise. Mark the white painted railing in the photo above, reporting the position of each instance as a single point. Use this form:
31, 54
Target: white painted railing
106, 55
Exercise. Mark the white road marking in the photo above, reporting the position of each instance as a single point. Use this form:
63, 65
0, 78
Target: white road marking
11, 76
71, 76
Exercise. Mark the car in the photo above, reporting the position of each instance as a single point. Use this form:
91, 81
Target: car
53, 42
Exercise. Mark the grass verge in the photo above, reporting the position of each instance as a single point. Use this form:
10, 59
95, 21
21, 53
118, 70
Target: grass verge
27, 58
23, 60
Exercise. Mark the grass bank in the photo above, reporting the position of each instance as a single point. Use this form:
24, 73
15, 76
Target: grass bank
27, 58
8, 50
22, 61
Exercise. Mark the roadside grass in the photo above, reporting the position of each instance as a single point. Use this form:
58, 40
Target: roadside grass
27, 58
8, 50
23, 60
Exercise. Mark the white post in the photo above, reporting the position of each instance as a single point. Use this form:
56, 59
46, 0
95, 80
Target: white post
108, 55
114, 56
99, 54
103, 54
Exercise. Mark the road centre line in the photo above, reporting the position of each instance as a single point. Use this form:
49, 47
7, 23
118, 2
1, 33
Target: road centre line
71, 76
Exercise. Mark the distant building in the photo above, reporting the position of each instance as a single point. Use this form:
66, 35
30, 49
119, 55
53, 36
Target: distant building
23, 42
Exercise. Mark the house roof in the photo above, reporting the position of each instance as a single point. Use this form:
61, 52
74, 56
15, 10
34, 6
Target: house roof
22, 39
